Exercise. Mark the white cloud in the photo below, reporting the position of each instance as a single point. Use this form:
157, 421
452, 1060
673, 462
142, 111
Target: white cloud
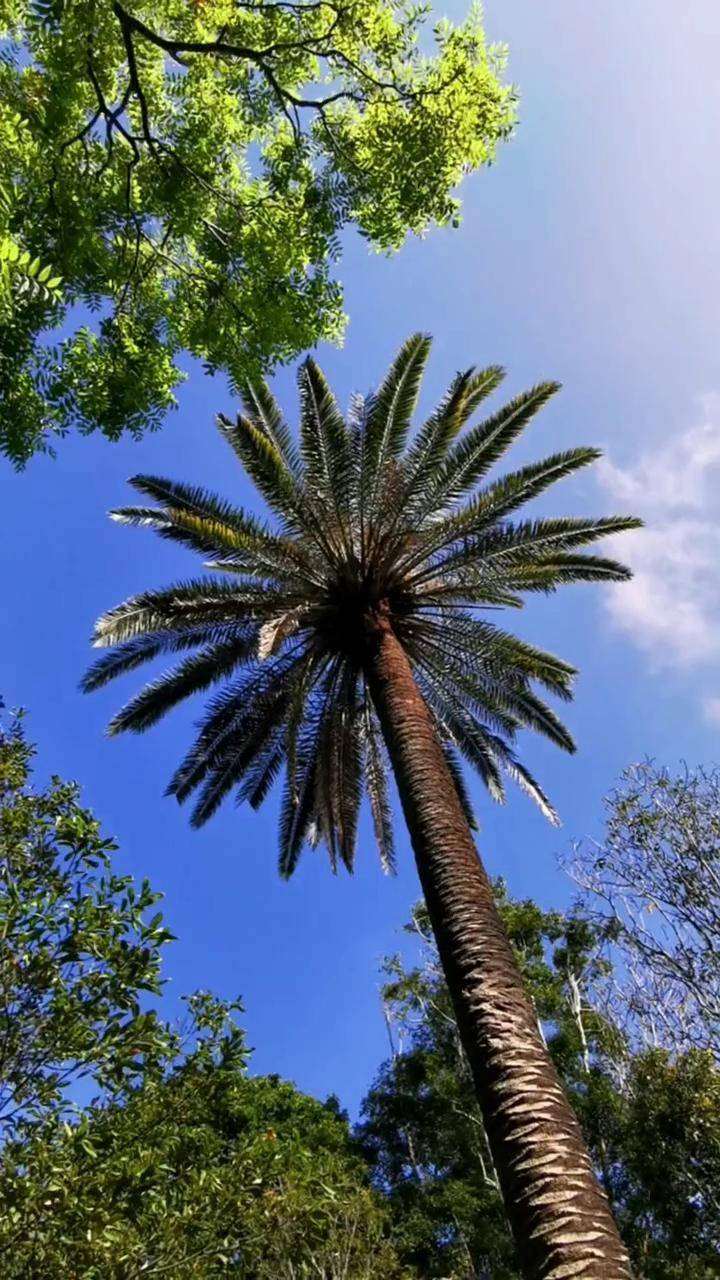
711, 710
671, 609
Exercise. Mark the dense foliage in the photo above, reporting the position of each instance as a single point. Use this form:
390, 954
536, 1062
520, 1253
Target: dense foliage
181, 1164
371, 523
80, 950
187, 167
207, 1173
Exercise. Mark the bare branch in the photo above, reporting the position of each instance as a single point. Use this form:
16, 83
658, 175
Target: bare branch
653, 888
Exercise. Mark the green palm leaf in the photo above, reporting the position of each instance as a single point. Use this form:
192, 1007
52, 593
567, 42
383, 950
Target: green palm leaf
265, 465
390, 414
484, 445
498, 500
326, 451
189, 605
198, 672
264, 410
143, 648
430, 447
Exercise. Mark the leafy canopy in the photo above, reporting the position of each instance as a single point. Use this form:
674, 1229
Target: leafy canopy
80, 952
205, 1173
187, 166
180, 1165
367, 521
21, 275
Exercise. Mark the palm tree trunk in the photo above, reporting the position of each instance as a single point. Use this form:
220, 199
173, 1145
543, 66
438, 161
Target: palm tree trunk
560, 1218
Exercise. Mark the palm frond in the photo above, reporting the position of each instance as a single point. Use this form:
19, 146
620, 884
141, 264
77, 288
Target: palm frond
377, 789
326, 448
263, 772
339, 772
133, 653
300, 799
506, 699
391, 410
496, 552
458, 725
481, 648
241, 734
189, 605
483, 446
324, 437
498, 500
194, 674
476, 692
227, 768
235, 712
549, 573
463, 795
349, 777
524, 779
194, 500
266, 466
240, 546
262, 407
430, 447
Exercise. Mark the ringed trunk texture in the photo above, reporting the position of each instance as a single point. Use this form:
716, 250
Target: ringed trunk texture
560, 1218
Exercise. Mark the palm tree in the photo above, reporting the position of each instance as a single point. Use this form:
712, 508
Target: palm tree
355, 630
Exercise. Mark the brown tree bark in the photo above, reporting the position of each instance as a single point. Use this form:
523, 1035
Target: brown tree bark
560, 1218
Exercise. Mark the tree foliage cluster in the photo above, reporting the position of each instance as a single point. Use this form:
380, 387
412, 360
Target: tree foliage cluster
187, 167
208, 1172
652, 887
80, 951
129, 1146
133, 1147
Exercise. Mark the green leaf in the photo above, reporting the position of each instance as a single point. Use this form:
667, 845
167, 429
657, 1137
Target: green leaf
240, 200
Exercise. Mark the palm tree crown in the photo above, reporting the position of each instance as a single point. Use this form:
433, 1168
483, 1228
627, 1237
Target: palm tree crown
370, 522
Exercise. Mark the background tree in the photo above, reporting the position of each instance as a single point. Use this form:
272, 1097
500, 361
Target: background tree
652, 885
352, 625
183, 1165
187, 168
663, 1150
180, 1165
206, 1172
78, 954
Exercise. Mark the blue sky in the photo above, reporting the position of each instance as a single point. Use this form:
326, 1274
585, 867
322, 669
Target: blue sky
590, 253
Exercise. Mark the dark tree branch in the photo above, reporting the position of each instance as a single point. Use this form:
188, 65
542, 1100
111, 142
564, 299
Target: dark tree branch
136, 87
